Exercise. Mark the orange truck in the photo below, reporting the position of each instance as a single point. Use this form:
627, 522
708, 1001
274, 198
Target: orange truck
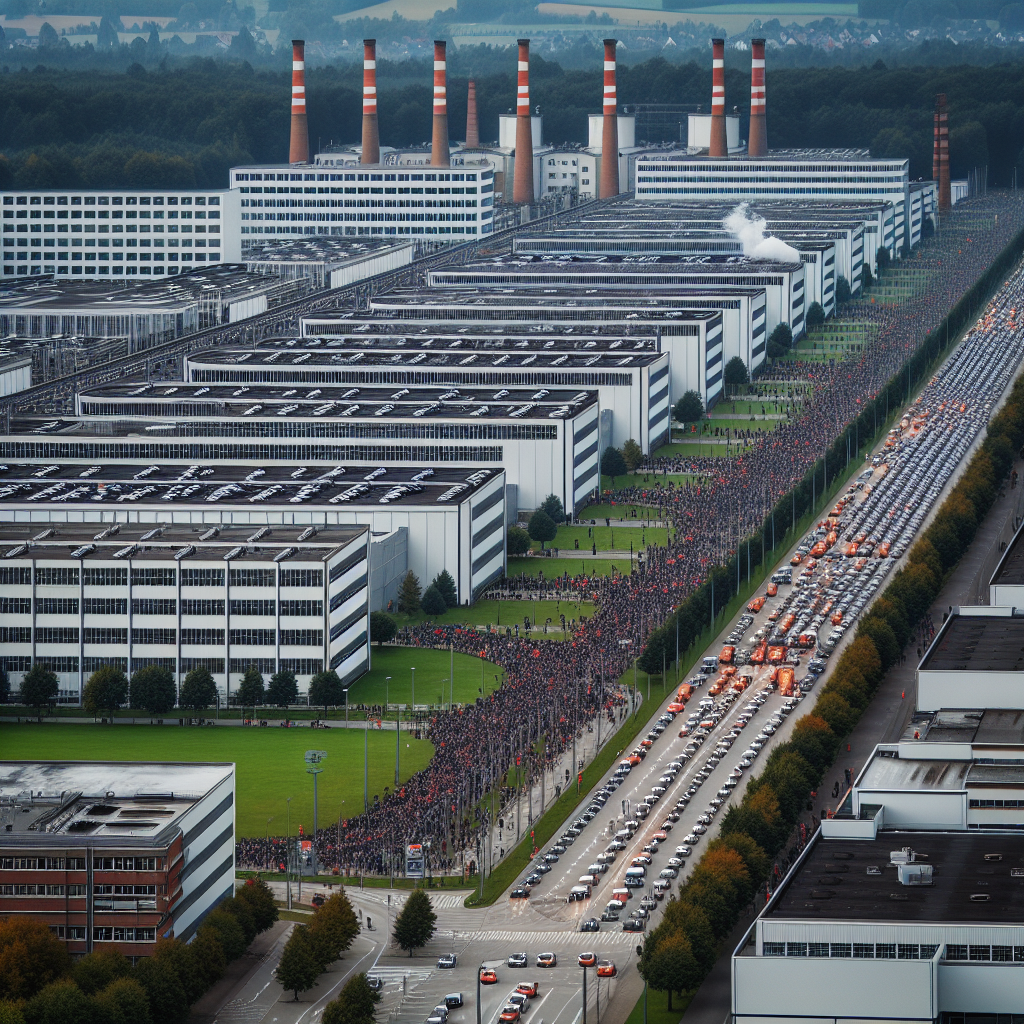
786, 624
786, 680
776, 654
773, 589
684, 693
851, 549
756, 605
725, 658
717, 686
758, 654
883, 549
819, 549
741, 683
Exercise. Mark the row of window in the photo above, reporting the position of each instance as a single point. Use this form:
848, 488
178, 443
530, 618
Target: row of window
73, 891
76, 933
118, 577
524, 378
352, 176
13, 664
856, 950
189, 637
996, 803
37, 200
42, 863
154, 606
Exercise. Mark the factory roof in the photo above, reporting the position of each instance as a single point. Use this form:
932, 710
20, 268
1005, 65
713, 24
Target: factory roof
779, 155
221, 484
1010, 570
118, 803
978, 878
978, 643
636, 263
180, 542
898, 773
318, 249
333, 401
970, 725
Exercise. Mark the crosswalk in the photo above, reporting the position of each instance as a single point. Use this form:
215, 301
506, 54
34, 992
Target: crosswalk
530, 939
398, 973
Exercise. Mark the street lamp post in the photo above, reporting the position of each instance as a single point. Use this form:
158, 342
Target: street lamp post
314, 767
387, 691
584, 995
478, 972
269, 820
412, 702
366, 765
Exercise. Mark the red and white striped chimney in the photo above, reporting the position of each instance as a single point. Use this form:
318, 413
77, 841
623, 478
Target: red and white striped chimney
472, 124
371, 138
610, 127
439, 154
757, 143
935, 143
522, 182
298, 149
719, 145
945, 198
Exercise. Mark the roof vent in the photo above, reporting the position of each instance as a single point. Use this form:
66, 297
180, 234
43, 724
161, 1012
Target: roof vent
873, 869
904, 856
980, 897
214, 531
915, 874
993, 857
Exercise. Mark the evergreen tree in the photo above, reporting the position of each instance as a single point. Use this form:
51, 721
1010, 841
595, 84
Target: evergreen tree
843, 291
815, 315
333, 929
612, 462
383, 628
39, 687
5, 686
779, 341
105, 690
409, 593
446, 586
632, 454
199, 691
552, 505
433, 603
735, 373
298, 967
325, 689
689, 408
355, 1004
283, 689
152, 689
542, 527
250, 689
415, 925
517, 542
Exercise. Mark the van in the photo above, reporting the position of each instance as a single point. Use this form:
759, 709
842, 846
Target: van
634, 882
638, 871
621, 895
578, 892
709, 665
588, 879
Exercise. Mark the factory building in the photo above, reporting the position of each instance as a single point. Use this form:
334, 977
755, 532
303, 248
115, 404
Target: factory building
424, 520
181, 596
327, 261
116, 855
627, 371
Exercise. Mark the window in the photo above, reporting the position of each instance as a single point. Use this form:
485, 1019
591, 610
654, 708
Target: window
203, 637
105, 577
863, 951
123, 890
302, 638
15, 576
201, 606
154, 606
125, 864
214, 665
774, 949
106, 606
842, 949
202, 578
977, 953
956, 952
885, 950
267, 666
106, 635
56, 635
907, 952
302, 577
90, 665
796, 949
49, 576
1002, 954
156, 636
252, 578
817, 949
298, 608
15, 605
253, 637
153, 578
57, 605
302, 666
42, 863
15, 634
69, 933
244, 607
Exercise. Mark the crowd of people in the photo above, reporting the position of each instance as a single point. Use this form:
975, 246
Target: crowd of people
553, 689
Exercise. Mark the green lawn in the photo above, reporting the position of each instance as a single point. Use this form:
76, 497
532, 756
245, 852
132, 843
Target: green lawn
607, 538
694, 449
269, 764
432, 671
746, 407
552, 567
747, 424
614, 512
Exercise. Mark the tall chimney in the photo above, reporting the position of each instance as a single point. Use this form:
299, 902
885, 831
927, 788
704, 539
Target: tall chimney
472, 124
757, 143
610, 127
371, 137
935, 143
298, 149
439, 153
522, 183
945, 199
719, 146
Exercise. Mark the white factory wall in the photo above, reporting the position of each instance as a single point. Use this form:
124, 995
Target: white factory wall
595, 131
507, 131
953, 689
391, 259
917, 808
16, 377
482, 524
1006, 595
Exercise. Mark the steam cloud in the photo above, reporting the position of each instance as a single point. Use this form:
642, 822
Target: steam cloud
750, 232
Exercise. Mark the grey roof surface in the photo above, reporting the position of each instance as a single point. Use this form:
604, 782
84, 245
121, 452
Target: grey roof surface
895, 773
1010, 570
832, 882
979, 643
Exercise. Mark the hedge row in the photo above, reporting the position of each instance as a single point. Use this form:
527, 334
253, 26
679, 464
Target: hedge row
680, 952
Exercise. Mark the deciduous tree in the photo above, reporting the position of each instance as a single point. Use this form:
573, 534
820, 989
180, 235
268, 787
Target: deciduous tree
39, 687
105, 690
414, 926
333, 928
518, 542
298, 968
31, 957
542, 527
152, 689
612, 462
355, 1003
325, 688
689, 408
383, 628
283, 689
199, 691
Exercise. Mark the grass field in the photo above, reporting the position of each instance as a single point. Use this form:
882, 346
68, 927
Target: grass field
432, 671
614, 512
696, 449
269, 765
552, 567
607, 538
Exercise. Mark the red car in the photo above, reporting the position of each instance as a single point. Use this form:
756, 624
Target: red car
606, 969
488, 977
587, 959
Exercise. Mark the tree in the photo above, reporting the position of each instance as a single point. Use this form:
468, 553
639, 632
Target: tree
632, 454
124, 1001
283, 688
257, 894
39, 687
5, 690
97, 970
843, 290
446, 586
612, 462
414, 926
168, 1003
780, 341
383, 628
671, 966
815, 315
10, 1013
552, 505
60, 1003
152, 689
409, 592
325, 688
250, 689
433, 603
689, 408
194, 964
866, 280
105, 690
355, 1004
542, 527
31, 957
882, 258
333, 929
518, 541
735, 374
199, 691
229, 930
298, 967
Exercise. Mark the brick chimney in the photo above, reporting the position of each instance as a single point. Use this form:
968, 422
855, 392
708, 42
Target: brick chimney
298, 148
439, 154
610, 127
757, 143
371, 137
522, 182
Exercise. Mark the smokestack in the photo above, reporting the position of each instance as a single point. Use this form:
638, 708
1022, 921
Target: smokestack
298, 149
945, 199
439, 154
610, 127
935, 143
522, 183
719, 146
472, 125
371, 137
757, 144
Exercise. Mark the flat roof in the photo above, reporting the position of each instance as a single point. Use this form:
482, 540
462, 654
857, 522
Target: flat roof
636, 263
220, 484
181, 542
979, 643
319, 249
49, 803
339, 401
831, 881
970, 725
1010, 570
896, 773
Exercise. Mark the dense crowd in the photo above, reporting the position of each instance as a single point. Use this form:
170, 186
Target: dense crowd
555, 688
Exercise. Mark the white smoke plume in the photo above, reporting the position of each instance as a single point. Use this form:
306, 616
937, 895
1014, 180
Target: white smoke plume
750, 232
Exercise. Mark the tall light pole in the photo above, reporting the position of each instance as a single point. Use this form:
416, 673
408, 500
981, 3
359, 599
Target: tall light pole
398, 738
387, 693
366, 765
314, 767
269, 820
451, 675
412, 701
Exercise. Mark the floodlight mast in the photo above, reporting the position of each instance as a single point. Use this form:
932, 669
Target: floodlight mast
314, 767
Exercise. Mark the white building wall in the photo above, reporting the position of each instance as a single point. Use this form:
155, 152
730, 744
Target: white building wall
15, 377
952, 689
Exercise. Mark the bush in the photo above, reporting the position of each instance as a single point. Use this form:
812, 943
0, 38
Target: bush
612, 462
383, 628
542, 527
433, 603
517, 542
689, 408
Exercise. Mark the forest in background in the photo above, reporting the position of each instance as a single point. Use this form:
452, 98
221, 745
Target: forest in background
179, 126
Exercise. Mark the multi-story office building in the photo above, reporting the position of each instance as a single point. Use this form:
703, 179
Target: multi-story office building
112, 855
130, 594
